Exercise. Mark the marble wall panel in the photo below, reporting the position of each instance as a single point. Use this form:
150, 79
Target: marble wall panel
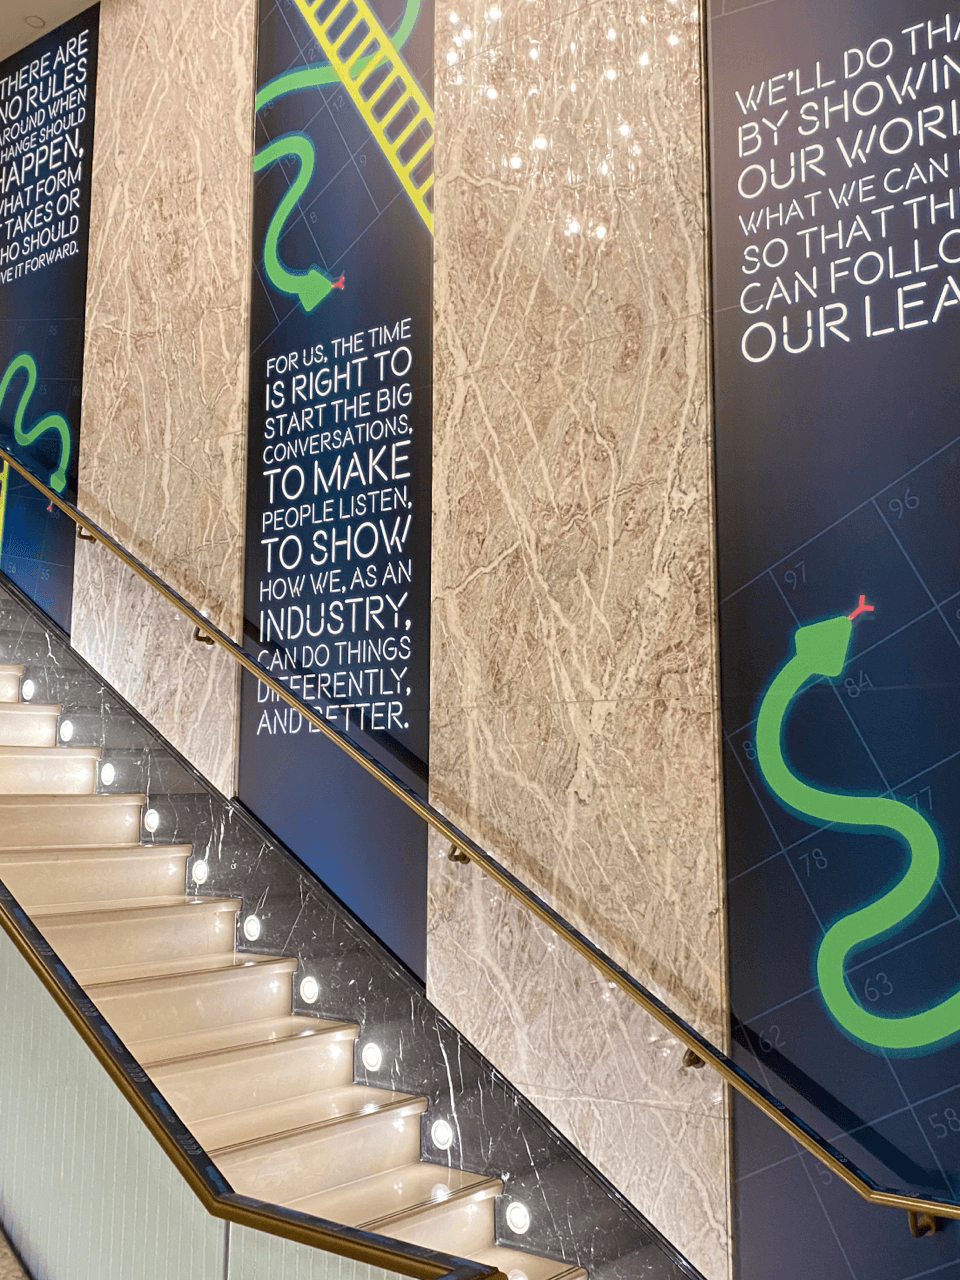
569, 203
600, 1068
574, 728
573, 721
187, 690
161, 458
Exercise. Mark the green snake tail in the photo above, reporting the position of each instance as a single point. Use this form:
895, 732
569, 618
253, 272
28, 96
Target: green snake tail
821, 650
25, 362
310, 286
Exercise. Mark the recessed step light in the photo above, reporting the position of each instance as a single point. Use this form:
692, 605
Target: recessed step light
441, 1135
518, 1218
27, 690
310, 990
372, 1056
251, 928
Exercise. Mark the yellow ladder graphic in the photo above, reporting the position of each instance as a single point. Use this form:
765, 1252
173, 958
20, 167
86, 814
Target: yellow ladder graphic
362, 55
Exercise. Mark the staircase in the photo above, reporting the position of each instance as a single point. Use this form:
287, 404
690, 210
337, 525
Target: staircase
269, 1094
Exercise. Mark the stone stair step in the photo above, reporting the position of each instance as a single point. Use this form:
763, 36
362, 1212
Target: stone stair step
310, 1111
69, 821
291, 1166
192, 995
28, 724
48, 770
138, 932
254, 1074
375, 1203
10, 674
79, 875
516, 1265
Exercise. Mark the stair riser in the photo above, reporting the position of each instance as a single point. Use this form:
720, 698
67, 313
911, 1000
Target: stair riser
27, 729
9, 687
460, 1227
209, 1088
70, 826
95, 944
51, 776
285, 1169
191, 1004
94, 879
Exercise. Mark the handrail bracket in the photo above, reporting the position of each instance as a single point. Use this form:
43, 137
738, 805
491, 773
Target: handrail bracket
922, 1223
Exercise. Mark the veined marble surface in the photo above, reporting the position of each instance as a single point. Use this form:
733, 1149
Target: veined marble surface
573, 725
164, 390
145, 648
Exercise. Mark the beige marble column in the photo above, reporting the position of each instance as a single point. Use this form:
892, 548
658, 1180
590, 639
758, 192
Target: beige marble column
574, 727
164, 391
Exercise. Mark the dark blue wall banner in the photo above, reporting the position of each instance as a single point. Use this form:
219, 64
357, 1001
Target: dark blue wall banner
835, 139
47, 94
337, 583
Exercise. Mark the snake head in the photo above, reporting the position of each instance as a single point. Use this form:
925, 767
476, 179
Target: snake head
822, 646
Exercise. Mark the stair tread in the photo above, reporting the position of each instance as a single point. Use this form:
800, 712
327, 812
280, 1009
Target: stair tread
293, 1115
14, 752
122, 975
59, 853
30, 708
100, 800
11, 669
377, 1202
516, 1265
239, 1036
130, 908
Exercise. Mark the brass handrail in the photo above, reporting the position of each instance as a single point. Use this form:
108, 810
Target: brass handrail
923, 1211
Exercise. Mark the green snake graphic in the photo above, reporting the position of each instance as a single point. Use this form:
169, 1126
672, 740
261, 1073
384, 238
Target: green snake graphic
820, 649
310, 286
25, 363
